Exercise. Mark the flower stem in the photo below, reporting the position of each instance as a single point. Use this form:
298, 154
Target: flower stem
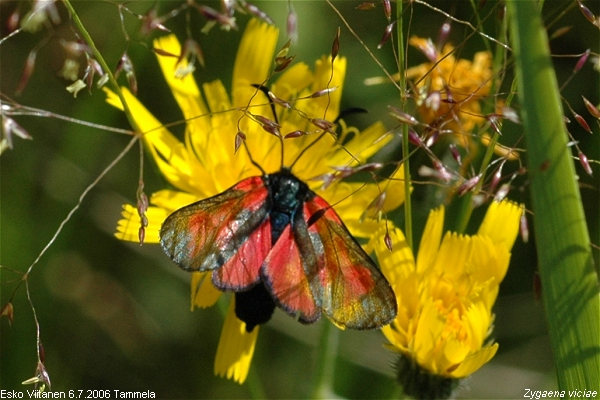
466, 207
405, 143
255, 386
328, 343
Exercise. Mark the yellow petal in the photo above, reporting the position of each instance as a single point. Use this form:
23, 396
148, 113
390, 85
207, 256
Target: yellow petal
477, 320
203, 293
350, 201
399, 269
292, 81
361, 146
225, 166
391, 334
172, 200
453, 256
499, 149
429, 331
394, 189
327, 76
365, 228
430, 241
356, 204
315, 160
501, 222
129, 224
397, 263
398, 266
489, 261
113, 99
152, 129
218, 100
236, 347
253, 61
454, 352
474, 361
170, 154
184, 89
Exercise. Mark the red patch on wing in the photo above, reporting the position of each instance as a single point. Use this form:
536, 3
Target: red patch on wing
352, 291
242, 270
284, 275
205, 235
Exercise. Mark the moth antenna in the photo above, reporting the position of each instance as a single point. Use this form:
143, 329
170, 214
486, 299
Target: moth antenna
349, 111
266, 91
306, 148
258, 87
334, 52
252, 160
343, 113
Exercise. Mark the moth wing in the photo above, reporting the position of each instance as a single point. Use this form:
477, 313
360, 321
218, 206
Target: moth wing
347, 284
284, 276
228, 233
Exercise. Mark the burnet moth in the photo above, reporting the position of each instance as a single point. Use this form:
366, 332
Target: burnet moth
274, 242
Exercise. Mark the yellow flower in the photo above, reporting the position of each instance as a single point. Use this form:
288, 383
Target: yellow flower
206, 163
450, 89
445, 297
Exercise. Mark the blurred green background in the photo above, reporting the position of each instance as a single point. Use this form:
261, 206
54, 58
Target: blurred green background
115, 315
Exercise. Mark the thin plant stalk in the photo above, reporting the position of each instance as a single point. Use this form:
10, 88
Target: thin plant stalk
466, 207
98, 55
405, 143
